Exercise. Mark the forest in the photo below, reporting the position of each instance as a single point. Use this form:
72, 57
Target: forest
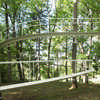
32, 47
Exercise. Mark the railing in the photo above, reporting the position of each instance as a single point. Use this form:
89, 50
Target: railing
12, 86
62, 22
44, 81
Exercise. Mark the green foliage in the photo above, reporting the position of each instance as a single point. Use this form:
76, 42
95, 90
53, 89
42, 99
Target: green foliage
28, 10
96, 52
97, 49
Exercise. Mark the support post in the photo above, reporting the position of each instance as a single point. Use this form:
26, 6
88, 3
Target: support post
33, 70
86, 78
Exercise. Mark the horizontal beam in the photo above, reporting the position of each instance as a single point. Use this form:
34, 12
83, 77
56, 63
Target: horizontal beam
43, 81
34, 61
16, 62
74, 18
33, 36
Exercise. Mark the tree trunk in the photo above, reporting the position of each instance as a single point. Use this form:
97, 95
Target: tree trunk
66, 68
17, 57
57, 65
21, 47
17, 48
50, 40
2, 72
39, 73
36, 69
9, 52
49, 46
82, 52
74, 50
74, 81
86, 78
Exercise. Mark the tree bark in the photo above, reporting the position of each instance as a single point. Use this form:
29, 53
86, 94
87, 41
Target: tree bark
49, 46
50, 40
57, 65
74, 49
89, 15
17, 46
39, 73
9, 52
66, 68
36, 69
86, 77
21, 47
82, 52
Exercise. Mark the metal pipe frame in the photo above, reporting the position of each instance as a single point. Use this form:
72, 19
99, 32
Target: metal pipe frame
2, 88
33, 36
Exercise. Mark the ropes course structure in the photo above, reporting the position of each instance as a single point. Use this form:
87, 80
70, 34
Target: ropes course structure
33, 36
42, 35
12, 86
69, 21
2, 88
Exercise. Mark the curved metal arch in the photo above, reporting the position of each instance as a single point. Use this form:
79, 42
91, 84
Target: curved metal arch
33, 36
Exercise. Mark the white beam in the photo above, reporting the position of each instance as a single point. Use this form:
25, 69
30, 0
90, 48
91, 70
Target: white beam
33, 36
43, 81
16, 62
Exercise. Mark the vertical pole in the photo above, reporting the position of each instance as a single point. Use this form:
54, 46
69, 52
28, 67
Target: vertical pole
29, 68
33, 70
54, 68
75, 66
21, 66
48, 70
39, 72
0, 77
86, 78
83, 69
57, 65
66, 67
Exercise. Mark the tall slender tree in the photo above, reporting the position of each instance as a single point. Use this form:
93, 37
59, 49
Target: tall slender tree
74, 46
9, 52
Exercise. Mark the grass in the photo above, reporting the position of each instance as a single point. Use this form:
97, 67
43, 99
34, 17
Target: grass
54, 91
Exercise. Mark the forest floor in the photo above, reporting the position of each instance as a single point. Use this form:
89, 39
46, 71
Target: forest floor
54, 91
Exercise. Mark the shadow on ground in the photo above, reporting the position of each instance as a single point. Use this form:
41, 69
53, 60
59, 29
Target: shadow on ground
54, 91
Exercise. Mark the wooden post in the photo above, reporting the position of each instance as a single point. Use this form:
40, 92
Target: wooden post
86, 78
33, 70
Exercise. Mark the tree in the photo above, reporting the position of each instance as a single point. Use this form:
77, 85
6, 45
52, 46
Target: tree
74, 47
9, 52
